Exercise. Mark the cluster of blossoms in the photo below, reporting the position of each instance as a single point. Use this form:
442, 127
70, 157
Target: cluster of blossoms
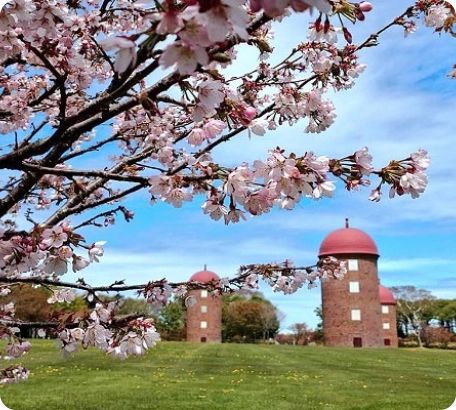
283, 180
280, 180
437, 14
118, 337
44, 252
287, 278
405, 177
13, 374
139, 336
62, 296
15, 347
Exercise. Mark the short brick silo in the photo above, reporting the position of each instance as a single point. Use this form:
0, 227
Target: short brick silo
204, 311
351, 306
389, 327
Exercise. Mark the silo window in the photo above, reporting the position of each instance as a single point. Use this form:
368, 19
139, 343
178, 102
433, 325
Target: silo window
203, 309
386, 326
354, 287
353, 264
387, 342
204, 293
356, 314
385, 309
203, 325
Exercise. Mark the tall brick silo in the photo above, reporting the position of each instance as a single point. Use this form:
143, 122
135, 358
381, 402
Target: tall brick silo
204, 311
389, 327
351, 306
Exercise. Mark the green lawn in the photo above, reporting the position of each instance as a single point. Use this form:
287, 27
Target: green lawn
229, 376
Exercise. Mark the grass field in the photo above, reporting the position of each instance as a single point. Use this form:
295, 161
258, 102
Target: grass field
229, 376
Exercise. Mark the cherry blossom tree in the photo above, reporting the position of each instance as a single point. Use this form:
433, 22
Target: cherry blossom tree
144, 85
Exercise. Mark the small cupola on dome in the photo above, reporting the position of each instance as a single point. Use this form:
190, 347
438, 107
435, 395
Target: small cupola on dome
204, 276
348, 241
386, 296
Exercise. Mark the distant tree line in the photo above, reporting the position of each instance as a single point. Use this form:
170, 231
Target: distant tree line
247, 317
420, 315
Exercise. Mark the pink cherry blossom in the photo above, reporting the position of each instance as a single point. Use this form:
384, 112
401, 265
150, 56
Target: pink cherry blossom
420, 160
184, 57
364, 160
126, 52
55, 265
436, 16
414, 183
196, 136
258, 126
97, 335
79, 263
62, 296
96, 251
210, 96
323, 6
213, 127
170, 22
54, 237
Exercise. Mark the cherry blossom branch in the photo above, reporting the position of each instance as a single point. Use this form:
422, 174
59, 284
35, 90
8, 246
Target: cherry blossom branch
94, 147
372, 40
59, 78
93, 220
83, 173
263, 270
37, 324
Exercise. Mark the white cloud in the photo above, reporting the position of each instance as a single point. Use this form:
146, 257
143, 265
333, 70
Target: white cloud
178, 263
412, 264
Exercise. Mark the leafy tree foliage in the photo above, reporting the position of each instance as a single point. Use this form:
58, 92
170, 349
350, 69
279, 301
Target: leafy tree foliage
414, 309
248, 318
171, 321
301, 332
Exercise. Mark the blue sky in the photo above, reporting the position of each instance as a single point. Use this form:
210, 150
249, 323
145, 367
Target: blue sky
402, 102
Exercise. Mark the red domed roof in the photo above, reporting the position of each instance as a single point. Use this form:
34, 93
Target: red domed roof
348, 240
204, 276
386, 296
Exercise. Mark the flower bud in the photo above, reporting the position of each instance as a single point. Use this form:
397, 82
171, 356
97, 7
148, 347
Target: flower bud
255, 6
365, 6
347, 35
250, 113
326, 26
359, 15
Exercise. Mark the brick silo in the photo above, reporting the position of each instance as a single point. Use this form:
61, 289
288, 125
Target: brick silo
204, 311
388, 307
351, 306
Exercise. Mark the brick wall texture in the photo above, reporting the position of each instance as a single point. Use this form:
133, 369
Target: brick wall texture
391, 333
213, 318
337, 304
